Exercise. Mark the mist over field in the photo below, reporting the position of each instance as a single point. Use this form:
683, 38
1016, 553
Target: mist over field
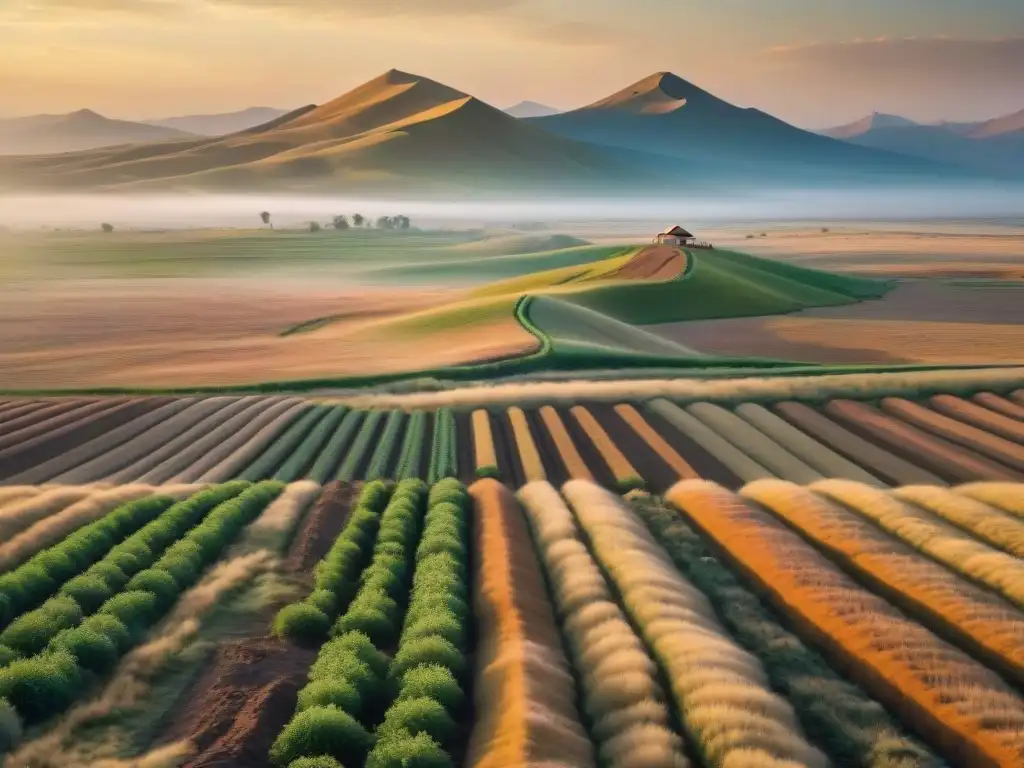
37, 211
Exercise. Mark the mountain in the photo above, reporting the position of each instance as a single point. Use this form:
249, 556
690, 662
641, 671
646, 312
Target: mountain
875, 121
223, 123
668, 115
994, 146
531, 109
398, 132
85, 129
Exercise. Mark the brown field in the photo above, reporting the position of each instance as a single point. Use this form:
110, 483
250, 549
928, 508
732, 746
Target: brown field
180, 332
918, 322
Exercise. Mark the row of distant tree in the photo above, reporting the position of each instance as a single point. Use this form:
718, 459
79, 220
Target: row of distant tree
358, 221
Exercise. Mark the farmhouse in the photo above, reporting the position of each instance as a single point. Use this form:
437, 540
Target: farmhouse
674, 235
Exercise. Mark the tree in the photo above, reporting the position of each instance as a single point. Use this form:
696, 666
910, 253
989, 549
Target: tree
314, 226
265, 218
401, 222
385, 222
107, 227
340, 222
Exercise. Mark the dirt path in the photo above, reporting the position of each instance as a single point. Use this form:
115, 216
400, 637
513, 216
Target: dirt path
656, 262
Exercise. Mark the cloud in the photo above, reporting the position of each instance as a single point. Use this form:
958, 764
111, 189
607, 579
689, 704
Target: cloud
375, 8
933, 60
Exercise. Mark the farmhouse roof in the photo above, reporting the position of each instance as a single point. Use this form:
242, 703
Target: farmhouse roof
677, 231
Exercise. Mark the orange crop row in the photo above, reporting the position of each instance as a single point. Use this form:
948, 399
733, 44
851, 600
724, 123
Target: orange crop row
529, 455
999, 404
1004, 423
973, 618
484, 455
964, 709
668, 454
525, 694
626, 475
575, 466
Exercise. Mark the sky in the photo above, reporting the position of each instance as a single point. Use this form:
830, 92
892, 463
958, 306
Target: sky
815, 63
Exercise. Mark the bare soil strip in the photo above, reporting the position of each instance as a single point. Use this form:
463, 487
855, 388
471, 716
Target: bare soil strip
602, 473
37, 416
554, 467
509, 464
321, 526
39, 427
655, 471
463, 446
658, 262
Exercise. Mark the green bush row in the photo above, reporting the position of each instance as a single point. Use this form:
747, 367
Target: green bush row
45, 684
412, 448
420, 725
28, 585
284, 445
380, 462
303, 456
444, 460
335, 577
360, 446
348, 682
330, 457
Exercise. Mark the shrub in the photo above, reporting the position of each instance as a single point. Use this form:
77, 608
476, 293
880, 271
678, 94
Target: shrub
135, 609
374, 623
403, 750
435, 682
7, 655
436, 624
323, 599
91, 649
345, 665
427, 650
111, 628
90, 592
334, 692
31, 632
434, 603
385, 581
110, 573
360, 644
158, 583
129, 558
315, 762
302, 624
42, 686
419, 715
322, 731
374, 495
438, 543
10, 727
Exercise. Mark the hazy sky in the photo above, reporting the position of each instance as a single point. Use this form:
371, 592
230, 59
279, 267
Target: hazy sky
813, 62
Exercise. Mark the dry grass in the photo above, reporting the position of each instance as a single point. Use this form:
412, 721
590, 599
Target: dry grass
738, 390
755, 444
849, 444
621, 694
575, 466
17, 493
1008, 497
529, 455
19, 515
626, 475
525, 710
990, 525
950, 546
726, 705
816, 455
970, 617
953, 460
275, 525
956, 431
658, 444
735, 460
971, 413
966, 711
483, 441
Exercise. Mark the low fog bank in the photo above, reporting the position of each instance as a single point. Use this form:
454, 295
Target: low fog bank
35, 211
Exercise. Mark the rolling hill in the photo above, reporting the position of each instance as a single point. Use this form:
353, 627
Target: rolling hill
668, 115
531, 109
221, 124
82, 130
994, 146
396, 132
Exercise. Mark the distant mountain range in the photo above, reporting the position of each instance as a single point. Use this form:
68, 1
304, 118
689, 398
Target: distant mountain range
85, 129
223, 123
992, 146
405, 133
531, 109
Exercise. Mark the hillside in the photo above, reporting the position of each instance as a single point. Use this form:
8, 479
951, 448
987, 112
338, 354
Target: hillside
668, 115
994, 146
530, 109
221, 124
396, 132
82, 130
